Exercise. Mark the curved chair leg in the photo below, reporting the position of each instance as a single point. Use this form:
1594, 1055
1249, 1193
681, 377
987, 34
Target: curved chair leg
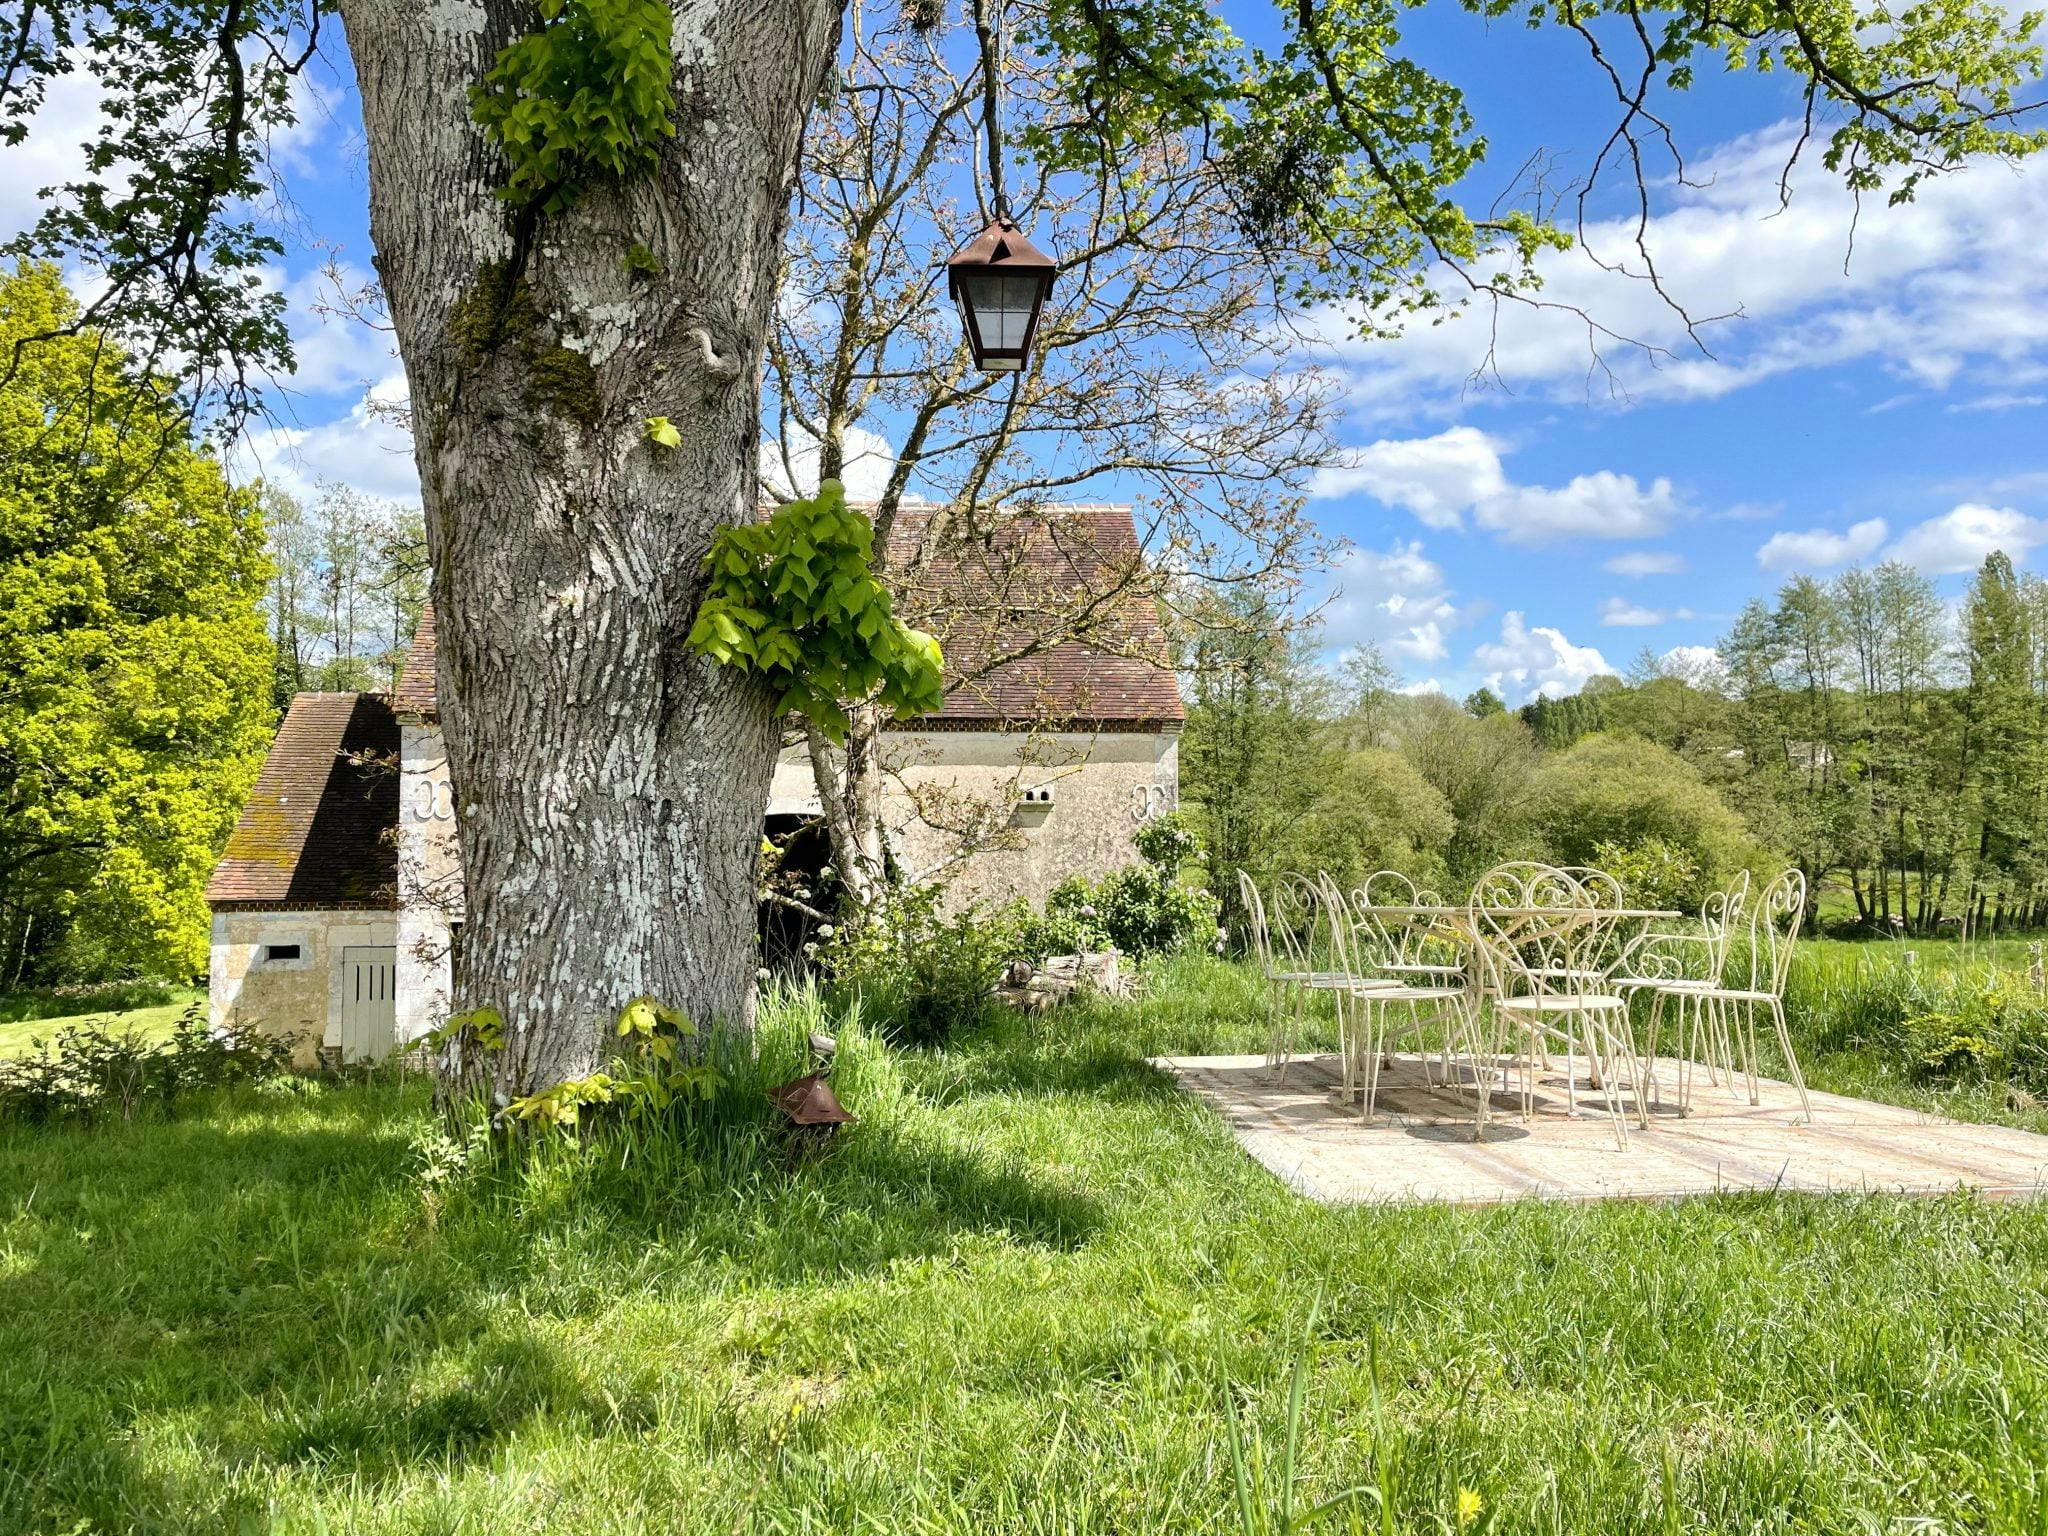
1791, 1061
1749, 1048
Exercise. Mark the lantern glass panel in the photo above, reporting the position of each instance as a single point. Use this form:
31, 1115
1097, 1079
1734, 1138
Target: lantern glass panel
1003, 304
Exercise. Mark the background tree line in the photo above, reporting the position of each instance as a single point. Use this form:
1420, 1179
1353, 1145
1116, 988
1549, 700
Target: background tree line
348, 580
1893, 747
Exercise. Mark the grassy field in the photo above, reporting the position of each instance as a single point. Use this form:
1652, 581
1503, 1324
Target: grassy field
40, 1016
1016, 1299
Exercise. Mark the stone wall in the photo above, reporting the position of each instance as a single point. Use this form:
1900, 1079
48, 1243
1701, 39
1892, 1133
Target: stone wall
301, 996
429, 882
1103, 787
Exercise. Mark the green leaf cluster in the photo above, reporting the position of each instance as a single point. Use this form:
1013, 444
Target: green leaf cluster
651, 1074
588, 95
796, 600
134, 662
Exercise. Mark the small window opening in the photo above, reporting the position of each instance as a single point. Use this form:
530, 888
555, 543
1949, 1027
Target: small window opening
275, 952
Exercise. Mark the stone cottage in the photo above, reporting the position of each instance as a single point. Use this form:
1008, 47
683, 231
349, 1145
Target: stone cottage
338, 903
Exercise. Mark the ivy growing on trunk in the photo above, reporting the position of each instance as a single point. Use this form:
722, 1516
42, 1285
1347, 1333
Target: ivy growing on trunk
587, 94
795, 598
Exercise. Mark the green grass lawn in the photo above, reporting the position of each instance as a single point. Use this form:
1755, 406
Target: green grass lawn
1013, 1300
152, 1021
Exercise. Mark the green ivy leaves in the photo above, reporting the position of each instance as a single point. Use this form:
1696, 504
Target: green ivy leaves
795, 598
587, 95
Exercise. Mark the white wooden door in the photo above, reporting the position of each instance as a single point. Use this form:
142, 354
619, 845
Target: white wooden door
369, 993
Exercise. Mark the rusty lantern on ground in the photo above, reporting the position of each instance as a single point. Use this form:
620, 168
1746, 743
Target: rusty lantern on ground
811, 1111
1000, 281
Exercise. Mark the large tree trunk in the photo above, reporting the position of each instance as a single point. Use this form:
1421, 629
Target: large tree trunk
610, 784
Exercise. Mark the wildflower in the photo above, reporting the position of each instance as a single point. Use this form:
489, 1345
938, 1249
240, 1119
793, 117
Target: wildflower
1469, 1505
810, 949
1219, 946
1087, 911
825, 930
761, 973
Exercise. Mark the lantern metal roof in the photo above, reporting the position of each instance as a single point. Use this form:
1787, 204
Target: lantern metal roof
1000, 280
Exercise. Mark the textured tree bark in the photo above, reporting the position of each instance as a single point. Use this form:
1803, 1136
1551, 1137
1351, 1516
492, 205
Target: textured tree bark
610, 784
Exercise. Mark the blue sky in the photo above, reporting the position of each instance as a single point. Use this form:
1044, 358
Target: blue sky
1531, 529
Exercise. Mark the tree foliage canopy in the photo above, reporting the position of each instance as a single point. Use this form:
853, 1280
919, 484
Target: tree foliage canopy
134, 667
1351, 160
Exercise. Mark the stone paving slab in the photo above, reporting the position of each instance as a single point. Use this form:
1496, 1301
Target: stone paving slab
1421, 1146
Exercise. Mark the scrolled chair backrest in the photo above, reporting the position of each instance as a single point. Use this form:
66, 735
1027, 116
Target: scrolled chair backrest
1719, 915
1524, 952
1255, 919
1383, 937
1346, 955
1773, 929
1599, 941
1296, 916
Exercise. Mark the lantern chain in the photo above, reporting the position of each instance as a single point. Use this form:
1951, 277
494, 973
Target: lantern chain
990, 35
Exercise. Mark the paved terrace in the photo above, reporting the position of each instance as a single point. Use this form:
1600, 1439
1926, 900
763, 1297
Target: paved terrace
1421, 1147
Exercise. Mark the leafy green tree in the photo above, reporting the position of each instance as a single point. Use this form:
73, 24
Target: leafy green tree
1253, 749
1481, 702
1484, 770
1625, 793
579, 210
134, 664
1375, 811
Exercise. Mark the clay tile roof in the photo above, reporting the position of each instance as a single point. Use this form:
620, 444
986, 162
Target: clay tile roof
986, 599
982, 599
415, 695
315, 830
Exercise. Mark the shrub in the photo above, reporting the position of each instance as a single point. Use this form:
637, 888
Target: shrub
1653, 872
87, 1070
919, 974
1141, 909
1627, 793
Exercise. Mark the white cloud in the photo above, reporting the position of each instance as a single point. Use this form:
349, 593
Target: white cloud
1959, 539
1997, 401
1602, 505
1417, 690
369, 449
794, 472
1946, 289
1620, 611
1442, 478
1699, 665
1526, 661
1396, 599
1437, 478
1821, 548
333, 351
52, 154
1645, 562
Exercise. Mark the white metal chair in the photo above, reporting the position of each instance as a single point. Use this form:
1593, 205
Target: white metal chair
1678, 969
1362, 1010
1547, 937
1727, 1005
1405, 947
1303, 964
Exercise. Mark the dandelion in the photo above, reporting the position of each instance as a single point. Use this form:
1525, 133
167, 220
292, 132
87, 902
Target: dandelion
1469, 1505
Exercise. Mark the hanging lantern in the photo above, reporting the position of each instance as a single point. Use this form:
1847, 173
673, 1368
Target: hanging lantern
1000, 281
